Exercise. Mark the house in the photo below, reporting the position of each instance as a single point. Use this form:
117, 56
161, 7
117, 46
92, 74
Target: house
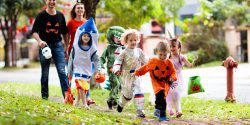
237, 39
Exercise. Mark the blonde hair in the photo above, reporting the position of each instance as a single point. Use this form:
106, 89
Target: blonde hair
162, 47
127, 33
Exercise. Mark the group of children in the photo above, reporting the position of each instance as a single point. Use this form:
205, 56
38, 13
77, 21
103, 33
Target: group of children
125, 64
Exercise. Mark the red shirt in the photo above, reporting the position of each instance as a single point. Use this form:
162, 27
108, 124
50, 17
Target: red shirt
72, 26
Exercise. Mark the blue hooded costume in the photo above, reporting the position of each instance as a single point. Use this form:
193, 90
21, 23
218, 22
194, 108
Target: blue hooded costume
81, 57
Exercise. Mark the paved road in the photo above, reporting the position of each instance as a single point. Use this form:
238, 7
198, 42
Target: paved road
213, 80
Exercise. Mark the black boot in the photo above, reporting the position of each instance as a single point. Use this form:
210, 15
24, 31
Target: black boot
109, 104
114, 103
119, 108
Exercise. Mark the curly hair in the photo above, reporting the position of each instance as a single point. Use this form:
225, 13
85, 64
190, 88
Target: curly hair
127, 33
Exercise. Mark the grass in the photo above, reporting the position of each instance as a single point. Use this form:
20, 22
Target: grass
210, 64
29, 65
25, 107
21, 104
205, 65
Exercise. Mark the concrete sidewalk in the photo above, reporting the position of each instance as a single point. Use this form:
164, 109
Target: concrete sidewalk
213, 79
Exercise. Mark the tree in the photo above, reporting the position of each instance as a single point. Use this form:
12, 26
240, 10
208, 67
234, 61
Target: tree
9, 13
133, 13
206, 29
218, 11
90, 7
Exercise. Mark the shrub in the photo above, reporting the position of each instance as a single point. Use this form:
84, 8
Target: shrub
207, 49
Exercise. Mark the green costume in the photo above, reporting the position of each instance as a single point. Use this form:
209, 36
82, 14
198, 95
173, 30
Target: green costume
108, 56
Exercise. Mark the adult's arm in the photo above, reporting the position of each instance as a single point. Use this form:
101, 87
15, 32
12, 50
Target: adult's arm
35, 31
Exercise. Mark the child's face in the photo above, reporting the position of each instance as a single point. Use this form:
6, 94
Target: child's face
174, 47
85, 39
162, 55
132, 41
116, 40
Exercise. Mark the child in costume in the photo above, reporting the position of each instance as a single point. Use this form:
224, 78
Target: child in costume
108, 56
130, 59
162, 73
174, 96
78, 18
81, 57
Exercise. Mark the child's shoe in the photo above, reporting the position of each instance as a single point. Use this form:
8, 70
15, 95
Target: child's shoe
157, 113
165, 118
171, 113
178, 114
119, 108
90, 101
86, 107
140, 114
109, 104
114, 103
76, 104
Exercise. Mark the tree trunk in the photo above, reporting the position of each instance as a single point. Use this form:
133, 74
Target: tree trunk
9, 33
6, 54
90, 7
7, 42
13, 37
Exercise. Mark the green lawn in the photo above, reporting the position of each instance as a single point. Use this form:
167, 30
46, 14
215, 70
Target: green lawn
21, 104
210, 64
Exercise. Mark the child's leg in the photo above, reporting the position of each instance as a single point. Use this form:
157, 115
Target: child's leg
78, 88
83, 97
78, 98
178, 105
139, 99
123, 100
126, 92
170, 103
89, 100
160, 104
88, 94
114, 89
139, 102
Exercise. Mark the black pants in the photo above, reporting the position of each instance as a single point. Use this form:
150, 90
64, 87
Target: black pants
160, 103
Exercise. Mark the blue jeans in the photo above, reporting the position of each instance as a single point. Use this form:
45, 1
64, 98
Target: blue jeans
57, 51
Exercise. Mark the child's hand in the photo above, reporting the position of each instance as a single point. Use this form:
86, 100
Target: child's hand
118, 73
69, 77
111, 69
171, 83
171, 80
193, 62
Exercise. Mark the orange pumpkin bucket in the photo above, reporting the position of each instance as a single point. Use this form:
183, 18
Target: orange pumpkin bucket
99, 77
